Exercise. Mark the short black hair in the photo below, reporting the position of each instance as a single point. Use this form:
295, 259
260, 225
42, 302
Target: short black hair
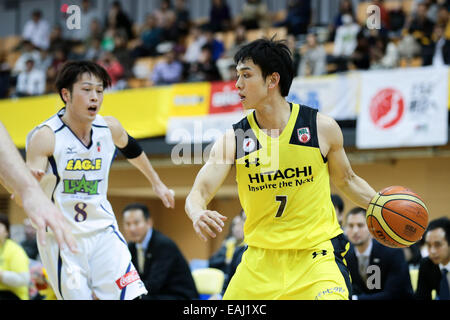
355, 210
271, 56
138, 206
443, 223
5, 221
72, 71
337, 202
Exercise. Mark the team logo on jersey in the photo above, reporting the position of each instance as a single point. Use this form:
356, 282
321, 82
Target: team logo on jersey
128, 278
71, 150
248, 145
303, 135
84, 165
73, 186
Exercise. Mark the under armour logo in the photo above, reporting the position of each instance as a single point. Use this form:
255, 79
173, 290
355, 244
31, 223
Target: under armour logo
255, 162
315, 254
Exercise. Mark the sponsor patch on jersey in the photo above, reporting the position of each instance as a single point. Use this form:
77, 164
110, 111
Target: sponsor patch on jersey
84, 164
73, 186
303, 135
127, 278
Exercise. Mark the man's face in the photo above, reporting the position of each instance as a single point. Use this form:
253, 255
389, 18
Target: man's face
357, 230
253, 88
135, 224
438, 247
86, 97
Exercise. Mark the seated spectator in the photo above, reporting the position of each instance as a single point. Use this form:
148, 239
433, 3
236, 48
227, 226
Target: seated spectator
59, 58
345, 42
14, 269
122, 54
182, 17
30, 82
163, 13
205, 68
383, 54
314, 58
377, 272
29, 244
397, 18
298, 18
254, 14
420, 27
195, 46
168, 71
160, 263
29, 52
5, 73
434, 270
150, 36
94, 51
222, 258
384, 14
360, 59
439, 53
115, 70
338, 204
220, 16
117, 19
217, 46
95, 32
37, 30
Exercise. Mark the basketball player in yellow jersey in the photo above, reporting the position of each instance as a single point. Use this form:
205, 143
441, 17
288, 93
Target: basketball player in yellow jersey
285, 155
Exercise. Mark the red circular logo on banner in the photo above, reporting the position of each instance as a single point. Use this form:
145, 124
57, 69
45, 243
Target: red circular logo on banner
387, 108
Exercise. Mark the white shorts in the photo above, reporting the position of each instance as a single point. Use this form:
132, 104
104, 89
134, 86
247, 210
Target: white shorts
102, 267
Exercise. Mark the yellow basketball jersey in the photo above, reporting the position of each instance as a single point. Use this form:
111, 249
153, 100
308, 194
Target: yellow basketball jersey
283, 184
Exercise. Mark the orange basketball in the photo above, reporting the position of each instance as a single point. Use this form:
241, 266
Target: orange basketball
397, 217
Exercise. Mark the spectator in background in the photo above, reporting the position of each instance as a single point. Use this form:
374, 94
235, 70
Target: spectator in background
163, 13
94, 51
384, 14
345, 7
95, 32
205, 68
30, 82
388, 276
150, 36
29, 244
117, 19
360, 59
434, 270
345, 42
57, 40
254, 14
37, 30
5, 72
220, 16
59, 58
86, 18
439, 53
217, 46
222, 258
115, 70
182, 17
195, 46
122, 54
160, 263
29, 52
298, 19
168, 71
383, 54
421, 28
314, 58
338, 204
14, 270
397, 18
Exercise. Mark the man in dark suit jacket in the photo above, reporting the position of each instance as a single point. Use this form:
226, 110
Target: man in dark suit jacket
431, 269
378, 272
160, 263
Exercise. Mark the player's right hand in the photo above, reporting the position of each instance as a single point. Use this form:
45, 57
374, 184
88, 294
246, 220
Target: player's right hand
208, 222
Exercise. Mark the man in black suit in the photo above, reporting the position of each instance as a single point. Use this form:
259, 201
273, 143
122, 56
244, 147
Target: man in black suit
434, 270
160, 263
378, 272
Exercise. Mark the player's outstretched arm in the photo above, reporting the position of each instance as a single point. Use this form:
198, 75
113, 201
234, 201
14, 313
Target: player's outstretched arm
208, 181
342, 175
17, 178
135, 155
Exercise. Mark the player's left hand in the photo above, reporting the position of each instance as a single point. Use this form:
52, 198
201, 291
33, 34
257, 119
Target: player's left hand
166, 195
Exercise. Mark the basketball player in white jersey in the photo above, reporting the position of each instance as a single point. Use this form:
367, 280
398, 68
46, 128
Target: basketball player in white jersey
76, 148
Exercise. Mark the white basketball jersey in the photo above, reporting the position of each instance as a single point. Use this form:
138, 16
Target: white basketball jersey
80, 182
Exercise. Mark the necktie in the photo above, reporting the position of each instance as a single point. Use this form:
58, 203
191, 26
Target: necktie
444, 293
140, 258
363, 261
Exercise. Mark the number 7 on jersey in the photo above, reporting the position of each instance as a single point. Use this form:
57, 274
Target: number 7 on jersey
282, 207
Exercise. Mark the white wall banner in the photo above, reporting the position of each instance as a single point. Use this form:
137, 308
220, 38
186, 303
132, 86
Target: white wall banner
403, 108
333, 95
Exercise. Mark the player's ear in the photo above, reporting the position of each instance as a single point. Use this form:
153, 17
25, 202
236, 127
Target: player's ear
65, 95
274, 80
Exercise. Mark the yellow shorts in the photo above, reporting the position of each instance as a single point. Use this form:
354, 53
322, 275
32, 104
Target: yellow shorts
318, 273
